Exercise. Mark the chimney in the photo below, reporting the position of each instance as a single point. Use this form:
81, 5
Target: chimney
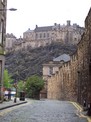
55, 24
68, 22
36, 26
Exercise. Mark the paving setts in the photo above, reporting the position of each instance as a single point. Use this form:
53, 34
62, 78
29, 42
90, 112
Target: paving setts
44, 111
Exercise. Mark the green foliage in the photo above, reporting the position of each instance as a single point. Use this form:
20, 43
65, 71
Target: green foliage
7, 79
21, 86
34, 85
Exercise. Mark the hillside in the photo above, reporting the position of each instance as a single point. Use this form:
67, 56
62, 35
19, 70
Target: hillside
24, 63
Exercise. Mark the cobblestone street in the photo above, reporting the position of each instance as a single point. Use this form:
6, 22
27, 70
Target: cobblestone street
43, 111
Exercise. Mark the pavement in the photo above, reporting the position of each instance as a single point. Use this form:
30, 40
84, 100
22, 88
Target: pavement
11, 103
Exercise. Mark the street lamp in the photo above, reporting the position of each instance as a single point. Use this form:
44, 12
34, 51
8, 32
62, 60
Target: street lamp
2, 43
10, 9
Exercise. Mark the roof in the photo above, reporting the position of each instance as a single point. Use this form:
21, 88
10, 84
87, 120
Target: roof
28, 31
10, 35
63, 57
45, 28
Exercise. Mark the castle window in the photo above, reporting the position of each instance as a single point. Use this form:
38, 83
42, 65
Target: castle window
40, 35
44, 35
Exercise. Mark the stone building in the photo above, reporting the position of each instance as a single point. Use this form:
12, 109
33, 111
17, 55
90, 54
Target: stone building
53, 66
69, 34
10, 42
73, 79
13, 44
3, 6
42, 36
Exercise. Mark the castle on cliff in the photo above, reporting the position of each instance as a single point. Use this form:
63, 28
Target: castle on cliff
42, 36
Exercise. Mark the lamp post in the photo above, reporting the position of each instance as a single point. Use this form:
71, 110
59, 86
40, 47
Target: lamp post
10, 9
3, 11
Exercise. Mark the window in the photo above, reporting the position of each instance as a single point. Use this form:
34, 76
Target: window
0, 72
1, 31
3, 1
40, 35
44, 35
51, 70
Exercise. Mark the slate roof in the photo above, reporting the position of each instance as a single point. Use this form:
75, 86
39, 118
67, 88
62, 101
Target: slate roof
63, 57
45, 28
10, 35
29, 31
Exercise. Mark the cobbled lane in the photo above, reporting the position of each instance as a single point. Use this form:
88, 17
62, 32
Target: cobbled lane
44, 111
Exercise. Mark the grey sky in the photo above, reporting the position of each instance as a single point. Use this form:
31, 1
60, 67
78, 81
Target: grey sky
44, 13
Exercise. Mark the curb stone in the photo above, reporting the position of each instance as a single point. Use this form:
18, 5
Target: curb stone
79, 107
12, 105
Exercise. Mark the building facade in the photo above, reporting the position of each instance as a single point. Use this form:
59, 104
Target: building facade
13, 44
52, 67
3, 6
10, 42
42, 36
67, 34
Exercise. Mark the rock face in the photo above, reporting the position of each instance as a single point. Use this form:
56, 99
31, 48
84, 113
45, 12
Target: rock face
24, 63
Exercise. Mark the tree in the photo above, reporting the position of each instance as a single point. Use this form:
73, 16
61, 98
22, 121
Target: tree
21, 86
34, 85
7, 79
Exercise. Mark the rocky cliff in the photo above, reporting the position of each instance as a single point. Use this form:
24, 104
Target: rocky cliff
26, 62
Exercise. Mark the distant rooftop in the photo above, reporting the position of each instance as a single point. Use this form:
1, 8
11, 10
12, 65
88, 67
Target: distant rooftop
29, 30
45, 28
10, 35
55, 26
63, 57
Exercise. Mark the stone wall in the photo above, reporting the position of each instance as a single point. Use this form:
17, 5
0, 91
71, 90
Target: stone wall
74, 77
64, 83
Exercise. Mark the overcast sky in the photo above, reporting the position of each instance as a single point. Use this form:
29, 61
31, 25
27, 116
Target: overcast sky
44, 13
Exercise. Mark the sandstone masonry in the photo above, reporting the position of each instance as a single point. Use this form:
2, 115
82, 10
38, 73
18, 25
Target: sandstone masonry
73, 80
